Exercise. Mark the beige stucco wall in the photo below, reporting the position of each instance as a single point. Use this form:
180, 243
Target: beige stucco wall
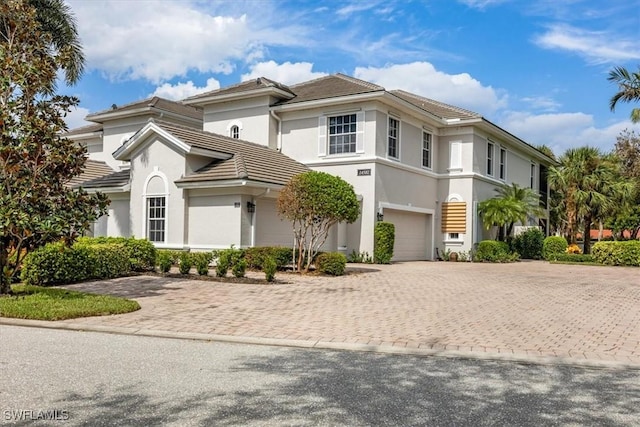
214, 222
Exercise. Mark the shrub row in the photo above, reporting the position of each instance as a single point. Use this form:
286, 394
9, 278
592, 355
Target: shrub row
617, 253
567, 257
56, 263
552, 246
384, 239
141, 252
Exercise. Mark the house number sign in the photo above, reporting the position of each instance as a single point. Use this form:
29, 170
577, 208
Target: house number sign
364, 172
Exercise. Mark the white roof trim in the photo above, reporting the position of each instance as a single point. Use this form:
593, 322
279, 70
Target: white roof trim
227, 183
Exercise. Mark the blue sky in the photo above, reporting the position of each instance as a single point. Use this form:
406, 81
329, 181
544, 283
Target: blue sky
537, 68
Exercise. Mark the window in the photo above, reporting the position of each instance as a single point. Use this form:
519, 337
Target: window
426, 150
503, 164
394, 141
234, 132
489, 158
533, 175
342, 134
454, 236
156, 218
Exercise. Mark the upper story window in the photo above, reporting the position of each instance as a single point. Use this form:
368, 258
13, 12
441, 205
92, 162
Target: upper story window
342, 134
234, 132
490, 149
393, 148
426, 149
503, 164
533, 175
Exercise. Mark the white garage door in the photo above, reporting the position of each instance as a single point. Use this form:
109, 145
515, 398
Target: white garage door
271, 230
411, 235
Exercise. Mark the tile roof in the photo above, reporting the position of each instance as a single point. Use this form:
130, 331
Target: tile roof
154, 103
259, 83
92, 169
439, 109
331, 86
249, 161
95, 127
115, 179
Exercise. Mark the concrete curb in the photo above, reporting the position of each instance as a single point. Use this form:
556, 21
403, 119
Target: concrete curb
329, 345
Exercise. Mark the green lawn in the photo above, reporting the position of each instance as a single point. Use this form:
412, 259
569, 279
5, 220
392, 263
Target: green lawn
35, 302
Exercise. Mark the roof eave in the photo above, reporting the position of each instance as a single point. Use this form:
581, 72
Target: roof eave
115, 114
214, 99
344, 99
225, 183
115, 189
525, 145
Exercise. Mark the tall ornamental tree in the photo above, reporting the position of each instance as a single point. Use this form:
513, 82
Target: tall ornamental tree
628, 89
314, 202
37, 205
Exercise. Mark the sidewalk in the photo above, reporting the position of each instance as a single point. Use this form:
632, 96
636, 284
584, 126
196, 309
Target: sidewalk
530, 311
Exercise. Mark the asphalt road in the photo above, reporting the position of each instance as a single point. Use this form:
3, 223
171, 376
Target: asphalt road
94, 379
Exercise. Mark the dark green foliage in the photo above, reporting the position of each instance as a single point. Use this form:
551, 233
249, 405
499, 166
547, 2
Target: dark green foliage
202, 260
529, 244
333, 263
186, 262
56, 263
164, 261
577, 258
269, 266
141, 252
552, 246
255, 257
618, 253
360, 257
494, 251
229, 258
239, 268
384, 239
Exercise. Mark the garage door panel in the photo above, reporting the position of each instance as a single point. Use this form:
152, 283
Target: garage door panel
410, 234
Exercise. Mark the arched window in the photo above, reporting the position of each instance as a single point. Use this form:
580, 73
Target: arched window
155, 197
234, 132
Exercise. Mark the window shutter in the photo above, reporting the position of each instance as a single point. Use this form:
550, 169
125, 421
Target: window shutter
322, 136
454, 217
360, 132
456, 155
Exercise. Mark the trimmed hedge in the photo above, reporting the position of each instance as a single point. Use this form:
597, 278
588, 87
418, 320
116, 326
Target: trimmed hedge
384, 238
141, 252
57, 263
625, 253
574, 258
552, 246
186, 262
332, 263
529, 244
269, 267
494, 251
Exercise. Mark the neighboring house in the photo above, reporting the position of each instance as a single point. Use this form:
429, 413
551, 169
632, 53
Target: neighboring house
205, 172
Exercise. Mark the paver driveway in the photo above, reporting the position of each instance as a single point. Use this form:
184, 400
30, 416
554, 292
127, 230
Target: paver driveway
527, 308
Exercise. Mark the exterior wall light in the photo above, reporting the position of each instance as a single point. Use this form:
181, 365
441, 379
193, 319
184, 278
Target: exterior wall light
251, 207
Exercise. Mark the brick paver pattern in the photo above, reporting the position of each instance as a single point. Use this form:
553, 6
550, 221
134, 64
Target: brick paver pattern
523, 309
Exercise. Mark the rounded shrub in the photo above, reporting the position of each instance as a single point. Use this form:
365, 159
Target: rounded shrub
494, 251
384, 239
552, 246
256, 256
529, 244
617, 253
202, 260
164, 260
141, 252
186, 262
269, 266
107, 260
239, 268
333, 263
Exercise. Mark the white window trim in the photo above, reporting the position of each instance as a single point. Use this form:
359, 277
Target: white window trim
458, 241
397, 119
430, 167
146, 195
533, 170
500, 164
324, 139
230, 126
491, 149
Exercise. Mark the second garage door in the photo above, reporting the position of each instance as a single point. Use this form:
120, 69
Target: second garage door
411, 235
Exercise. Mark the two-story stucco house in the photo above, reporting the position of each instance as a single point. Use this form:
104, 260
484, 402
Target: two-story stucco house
205, 172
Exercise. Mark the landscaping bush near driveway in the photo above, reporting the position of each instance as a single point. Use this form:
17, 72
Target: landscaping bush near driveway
552, 246
333, 263
384, 237
574, 258
141, 252
529, 244
256, 256
625, 253
494, 251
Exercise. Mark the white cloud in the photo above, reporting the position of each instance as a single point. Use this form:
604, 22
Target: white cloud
287, 73
543, 103
75, 118
481, 4
563, 130
184, 90
157, 40
596, 46
422, 78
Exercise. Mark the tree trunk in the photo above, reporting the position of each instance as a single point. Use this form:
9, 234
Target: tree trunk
587, 235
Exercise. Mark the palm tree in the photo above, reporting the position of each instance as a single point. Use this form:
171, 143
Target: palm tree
57, 20
527, 200
498, 212
629, 89
592, 188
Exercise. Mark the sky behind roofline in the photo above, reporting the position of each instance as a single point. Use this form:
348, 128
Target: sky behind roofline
537, 68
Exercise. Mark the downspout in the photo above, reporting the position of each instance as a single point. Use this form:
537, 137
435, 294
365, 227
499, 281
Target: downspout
279, 136
253, 216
